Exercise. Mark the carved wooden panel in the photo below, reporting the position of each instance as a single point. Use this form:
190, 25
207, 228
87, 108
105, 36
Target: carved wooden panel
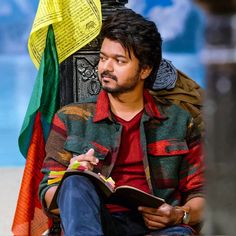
85, 78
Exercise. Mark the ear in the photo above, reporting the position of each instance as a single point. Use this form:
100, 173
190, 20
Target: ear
145, 72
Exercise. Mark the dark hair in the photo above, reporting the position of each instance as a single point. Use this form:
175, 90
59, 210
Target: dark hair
136, 34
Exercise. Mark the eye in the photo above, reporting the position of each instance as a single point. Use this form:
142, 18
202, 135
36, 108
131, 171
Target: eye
102, 58
120, 61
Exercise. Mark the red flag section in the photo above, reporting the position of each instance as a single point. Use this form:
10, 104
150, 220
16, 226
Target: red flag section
29, 217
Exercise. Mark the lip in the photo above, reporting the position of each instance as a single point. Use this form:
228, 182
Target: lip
104, 78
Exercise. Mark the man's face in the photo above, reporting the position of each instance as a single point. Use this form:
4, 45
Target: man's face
118, 73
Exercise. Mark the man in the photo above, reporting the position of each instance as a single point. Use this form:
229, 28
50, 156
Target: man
131, 136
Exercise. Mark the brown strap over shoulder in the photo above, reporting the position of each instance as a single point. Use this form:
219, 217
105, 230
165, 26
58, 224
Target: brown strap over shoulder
187, 94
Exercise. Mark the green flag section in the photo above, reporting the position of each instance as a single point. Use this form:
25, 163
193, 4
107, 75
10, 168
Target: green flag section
45, 96
29, 217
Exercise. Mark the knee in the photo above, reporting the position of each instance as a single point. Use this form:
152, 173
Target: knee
77, 182
78, 189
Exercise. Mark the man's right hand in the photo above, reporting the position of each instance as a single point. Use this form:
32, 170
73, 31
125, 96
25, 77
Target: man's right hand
88, 160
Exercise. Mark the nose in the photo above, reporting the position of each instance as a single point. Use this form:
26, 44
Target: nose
106, 65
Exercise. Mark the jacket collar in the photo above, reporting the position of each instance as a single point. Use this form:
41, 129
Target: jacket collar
150, 106
103, 107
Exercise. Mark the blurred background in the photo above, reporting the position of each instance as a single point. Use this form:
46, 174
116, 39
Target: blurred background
17, 75
180, 22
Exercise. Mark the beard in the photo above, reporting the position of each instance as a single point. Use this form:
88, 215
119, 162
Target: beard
130, 84
119, 89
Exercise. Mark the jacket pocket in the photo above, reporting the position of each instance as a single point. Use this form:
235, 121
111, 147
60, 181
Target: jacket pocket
165, 158
169, 147
78, 145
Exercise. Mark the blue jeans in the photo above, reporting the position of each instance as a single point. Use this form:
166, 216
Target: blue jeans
82, 213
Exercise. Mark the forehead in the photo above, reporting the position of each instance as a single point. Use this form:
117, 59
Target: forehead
114, 48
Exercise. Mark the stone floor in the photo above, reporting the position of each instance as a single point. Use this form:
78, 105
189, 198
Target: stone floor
9, 185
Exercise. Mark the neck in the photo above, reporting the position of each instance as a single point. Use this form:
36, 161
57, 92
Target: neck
127, 105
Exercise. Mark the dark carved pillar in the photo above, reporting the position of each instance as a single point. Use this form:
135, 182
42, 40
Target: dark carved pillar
220, 59
78, 76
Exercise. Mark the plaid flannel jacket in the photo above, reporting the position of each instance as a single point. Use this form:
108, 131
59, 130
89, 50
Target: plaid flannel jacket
170, 140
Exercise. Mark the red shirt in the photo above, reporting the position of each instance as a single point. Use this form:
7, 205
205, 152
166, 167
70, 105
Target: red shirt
129, 169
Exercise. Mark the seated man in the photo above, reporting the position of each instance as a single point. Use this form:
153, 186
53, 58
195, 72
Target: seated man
131, 136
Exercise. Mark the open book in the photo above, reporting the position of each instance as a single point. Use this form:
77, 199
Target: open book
127, 196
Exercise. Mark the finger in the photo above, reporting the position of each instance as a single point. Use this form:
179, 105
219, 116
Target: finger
161, 219
153, 224
87, 165
90, 152
85, 157
75, 158
152, 217
149, 210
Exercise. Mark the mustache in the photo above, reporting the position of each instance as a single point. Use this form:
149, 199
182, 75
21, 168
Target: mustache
108, 75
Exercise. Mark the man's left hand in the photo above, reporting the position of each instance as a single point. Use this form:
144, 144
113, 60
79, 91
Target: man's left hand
158, 218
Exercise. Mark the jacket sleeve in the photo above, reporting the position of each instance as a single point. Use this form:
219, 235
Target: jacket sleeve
57, 159
192, 167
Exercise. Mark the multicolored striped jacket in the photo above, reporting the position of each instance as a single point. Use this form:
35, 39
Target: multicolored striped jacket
171, 145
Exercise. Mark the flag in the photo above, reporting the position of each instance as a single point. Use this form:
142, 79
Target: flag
75, 24
61, 27
29, 217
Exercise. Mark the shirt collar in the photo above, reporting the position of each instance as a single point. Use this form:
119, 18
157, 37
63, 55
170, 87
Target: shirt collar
103, 107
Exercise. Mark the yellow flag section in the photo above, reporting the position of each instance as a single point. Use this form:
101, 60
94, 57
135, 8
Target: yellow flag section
75, 24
